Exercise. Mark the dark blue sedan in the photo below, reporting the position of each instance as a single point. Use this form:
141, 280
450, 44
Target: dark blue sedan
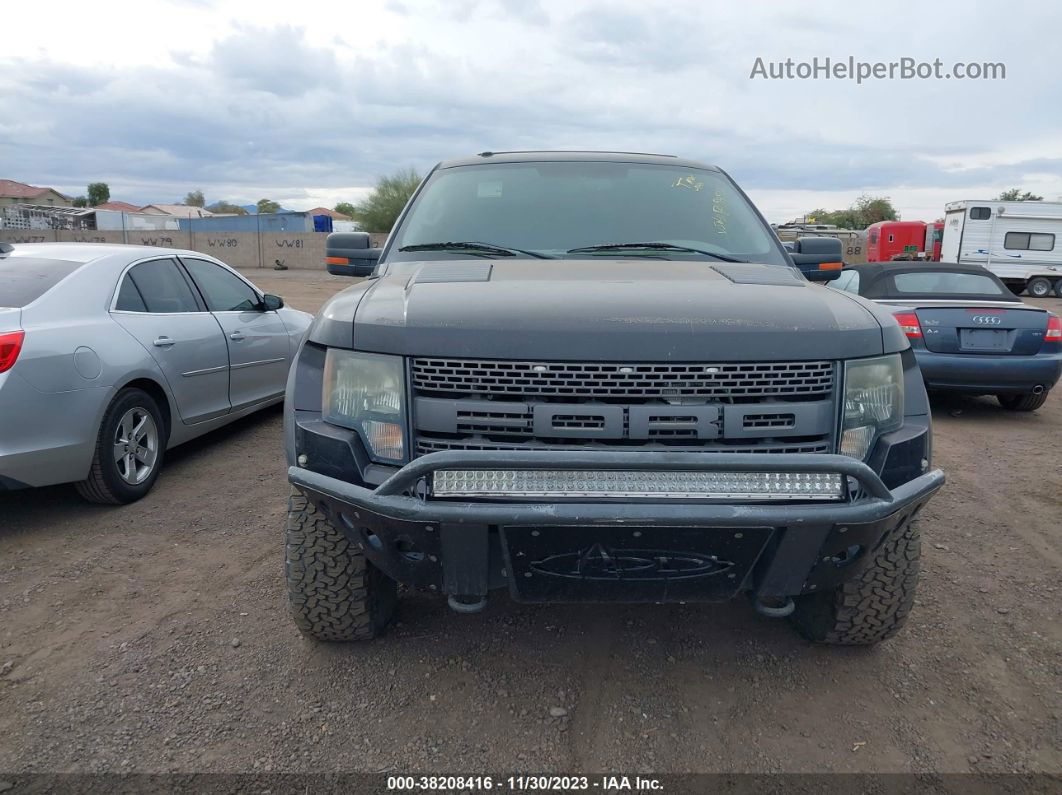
968, 331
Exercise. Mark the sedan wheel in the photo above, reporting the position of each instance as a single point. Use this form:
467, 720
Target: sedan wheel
129, 450
1025, 401
136, 446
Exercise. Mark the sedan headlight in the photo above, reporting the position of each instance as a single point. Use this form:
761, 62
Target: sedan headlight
365, 392
873, 402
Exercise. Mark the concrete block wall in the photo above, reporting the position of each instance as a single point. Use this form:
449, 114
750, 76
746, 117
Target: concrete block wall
243, 250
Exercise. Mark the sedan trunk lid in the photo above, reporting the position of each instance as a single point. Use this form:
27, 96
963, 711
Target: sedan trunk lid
980, 327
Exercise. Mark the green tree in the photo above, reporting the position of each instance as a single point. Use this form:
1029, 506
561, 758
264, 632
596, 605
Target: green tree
863, 212
267, 206
345, 208
227, 208
1017, 195
195, 198
81, 201
380, 209
847, 219
871, 209
98, 193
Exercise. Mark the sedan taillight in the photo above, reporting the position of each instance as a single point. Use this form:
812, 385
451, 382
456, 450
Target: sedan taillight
1054, 328
10, 348
909, 324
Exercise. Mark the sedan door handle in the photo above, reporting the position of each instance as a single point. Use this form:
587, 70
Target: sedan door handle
236, 335
163, 342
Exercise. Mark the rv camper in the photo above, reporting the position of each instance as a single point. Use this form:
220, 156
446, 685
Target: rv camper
1020, 242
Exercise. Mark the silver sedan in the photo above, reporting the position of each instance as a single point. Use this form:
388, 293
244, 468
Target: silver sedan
111, 354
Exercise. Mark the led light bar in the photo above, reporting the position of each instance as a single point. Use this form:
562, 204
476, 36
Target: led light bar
629, 483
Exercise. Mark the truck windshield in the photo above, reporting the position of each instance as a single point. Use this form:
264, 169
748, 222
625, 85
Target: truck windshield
551, 208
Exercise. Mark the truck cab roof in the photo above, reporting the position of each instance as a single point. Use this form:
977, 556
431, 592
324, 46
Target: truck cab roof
536, 156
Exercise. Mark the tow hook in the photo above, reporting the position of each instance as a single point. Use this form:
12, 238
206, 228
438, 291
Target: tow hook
466, 603
774, 606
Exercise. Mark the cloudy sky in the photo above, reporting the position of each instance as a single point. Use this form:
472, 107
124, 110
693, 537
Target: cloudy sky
308, 102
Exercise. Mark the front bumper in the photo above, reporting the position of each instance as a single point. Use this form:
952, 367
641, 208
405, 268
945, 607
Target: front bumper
542, 550
986, 374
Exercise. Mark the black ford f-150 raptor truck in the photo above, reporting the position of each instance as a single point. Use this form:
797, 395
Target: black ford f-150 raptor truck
600, 377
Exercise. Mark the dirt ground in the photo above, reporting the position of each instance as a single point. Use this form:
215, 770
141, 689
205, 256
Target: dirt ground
155, 637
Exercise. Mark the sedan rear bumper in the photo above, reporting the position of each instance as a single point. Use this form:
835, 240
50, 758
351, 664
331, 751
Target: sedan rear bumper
46, 437
985, 374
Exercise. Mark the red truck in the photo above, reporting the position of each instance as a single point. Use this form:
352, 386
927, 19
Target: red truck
889, 240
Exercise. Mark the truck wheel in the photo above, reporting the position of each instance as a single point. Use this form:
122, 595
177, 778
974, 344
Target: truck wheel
1039, 287
129, 449
875, 605
335, 593
1025, 401
1058, 288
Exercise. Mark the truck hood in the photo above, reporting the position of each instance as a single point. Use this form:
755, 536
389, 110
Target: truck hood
623, 309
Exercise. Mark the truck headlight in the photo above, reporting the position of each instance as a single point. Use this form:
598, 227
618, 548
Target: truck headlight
365, 392
873, 402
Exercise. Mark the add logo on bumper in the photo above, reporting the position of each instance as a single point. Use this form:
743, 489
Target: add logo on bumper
625, 564
600, 562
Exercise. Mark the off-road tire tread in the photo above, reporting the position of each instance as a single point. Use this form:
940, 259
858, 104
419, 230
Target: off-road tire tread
95, 488
1026, 401
335, 593
875, 605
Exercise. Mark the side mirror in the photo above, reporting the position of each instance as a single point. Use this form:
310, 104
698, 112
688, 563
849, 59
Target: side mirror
818, 258
822, 275
271, 303
348, 254
341, 242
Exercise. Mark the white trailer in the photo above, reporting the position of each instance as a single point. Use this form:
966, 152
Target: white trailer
1020, 242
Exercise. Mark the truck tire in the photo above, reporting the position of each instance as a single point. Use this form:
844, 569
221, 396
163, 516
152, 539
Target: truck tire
129, 450
335, 593
1058, 288
875, 605
1024, 401
1039, 287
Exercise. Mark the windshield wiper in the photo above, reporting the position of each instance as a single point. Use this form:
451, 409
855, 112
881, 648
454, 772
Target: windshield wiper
652, 247
474, 245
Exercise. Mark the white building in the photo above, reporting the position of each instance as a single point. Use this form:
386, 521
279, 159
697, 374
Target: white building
178, 210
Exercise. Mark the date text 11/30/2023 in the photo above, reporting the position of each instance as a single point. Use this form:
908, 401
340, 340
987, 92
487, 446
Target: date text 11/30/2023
524, 783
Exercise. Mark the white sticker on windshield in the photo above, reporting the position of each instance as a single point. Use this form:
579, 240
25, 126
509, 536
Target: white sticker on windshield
489, 190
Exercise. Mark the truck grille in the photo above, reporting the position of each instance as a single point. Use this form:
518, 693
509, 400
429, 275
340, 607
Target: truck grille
566, 379
774, 407
428, 444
